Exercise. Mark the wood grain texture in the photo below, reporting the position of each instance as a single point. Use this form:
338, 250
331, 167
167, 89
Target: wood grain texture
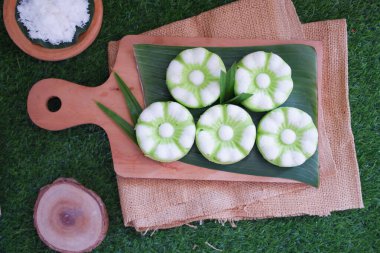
49, 54
69, 217
78, 107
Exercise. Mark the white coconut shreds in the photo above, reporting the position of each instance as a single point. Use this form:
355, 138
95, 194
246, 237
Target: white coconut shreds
53, 21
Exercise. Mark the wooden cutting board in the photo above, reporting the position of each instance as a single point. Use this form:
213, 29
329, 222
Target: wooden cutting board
78, 107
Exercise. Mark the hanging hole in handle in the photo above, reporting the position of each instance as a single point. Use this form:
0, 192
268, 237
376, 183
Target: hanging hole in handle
54, 104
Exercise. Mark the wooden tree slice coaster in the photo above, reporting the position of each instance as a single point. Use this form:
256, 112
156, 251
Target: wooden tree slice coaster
69, 217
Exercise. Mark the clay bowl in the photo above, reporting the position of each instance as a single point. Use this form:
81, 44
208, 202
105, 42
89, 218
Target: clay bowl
50, 54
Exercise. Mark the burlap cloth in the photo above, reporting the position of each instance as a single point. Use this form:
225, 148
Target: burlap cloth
156, 204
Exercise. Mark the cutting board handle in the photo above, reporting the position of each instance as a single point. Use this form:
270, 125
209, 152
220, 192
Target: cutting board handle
76, 104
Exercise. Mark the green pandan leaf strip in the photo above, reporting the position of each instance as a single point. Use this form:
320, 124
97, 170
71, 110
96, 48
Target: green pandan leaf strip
132, 104
239, 98
227, 83
123, 124
230, 82
222, 86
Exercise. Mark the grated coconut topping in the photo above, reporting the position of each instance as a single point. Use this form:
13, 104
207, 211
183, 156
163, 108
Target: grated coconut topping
53, 21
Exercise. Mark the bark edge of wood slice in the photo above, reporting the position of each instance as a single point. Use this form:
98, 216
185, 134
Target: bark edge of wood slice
69, 217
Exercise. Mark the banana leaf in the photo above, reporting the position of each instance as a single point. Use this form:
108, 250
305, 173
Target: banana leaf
45, 44
153, 60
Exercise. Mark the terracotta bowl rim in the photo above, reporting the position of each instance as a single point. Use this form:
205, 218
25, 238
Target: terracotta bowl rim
51, 54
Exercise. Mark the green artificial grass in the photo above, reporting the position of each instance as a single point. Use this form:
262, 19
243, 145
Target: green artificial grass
31, 157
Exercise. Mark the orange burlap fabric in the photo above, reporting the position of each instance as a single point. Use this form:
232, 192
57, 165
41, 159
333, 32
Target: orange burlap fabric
156, 204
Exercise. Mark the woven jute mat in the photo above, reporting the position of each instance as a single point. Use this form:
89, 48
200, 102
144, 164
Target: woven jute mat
156, 204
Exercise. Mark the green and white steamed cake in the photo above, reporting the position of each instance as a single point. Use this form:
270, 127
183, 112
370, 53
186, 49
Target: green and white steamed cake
265, 75
287, 137
165, 131
193, 77
225, 134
